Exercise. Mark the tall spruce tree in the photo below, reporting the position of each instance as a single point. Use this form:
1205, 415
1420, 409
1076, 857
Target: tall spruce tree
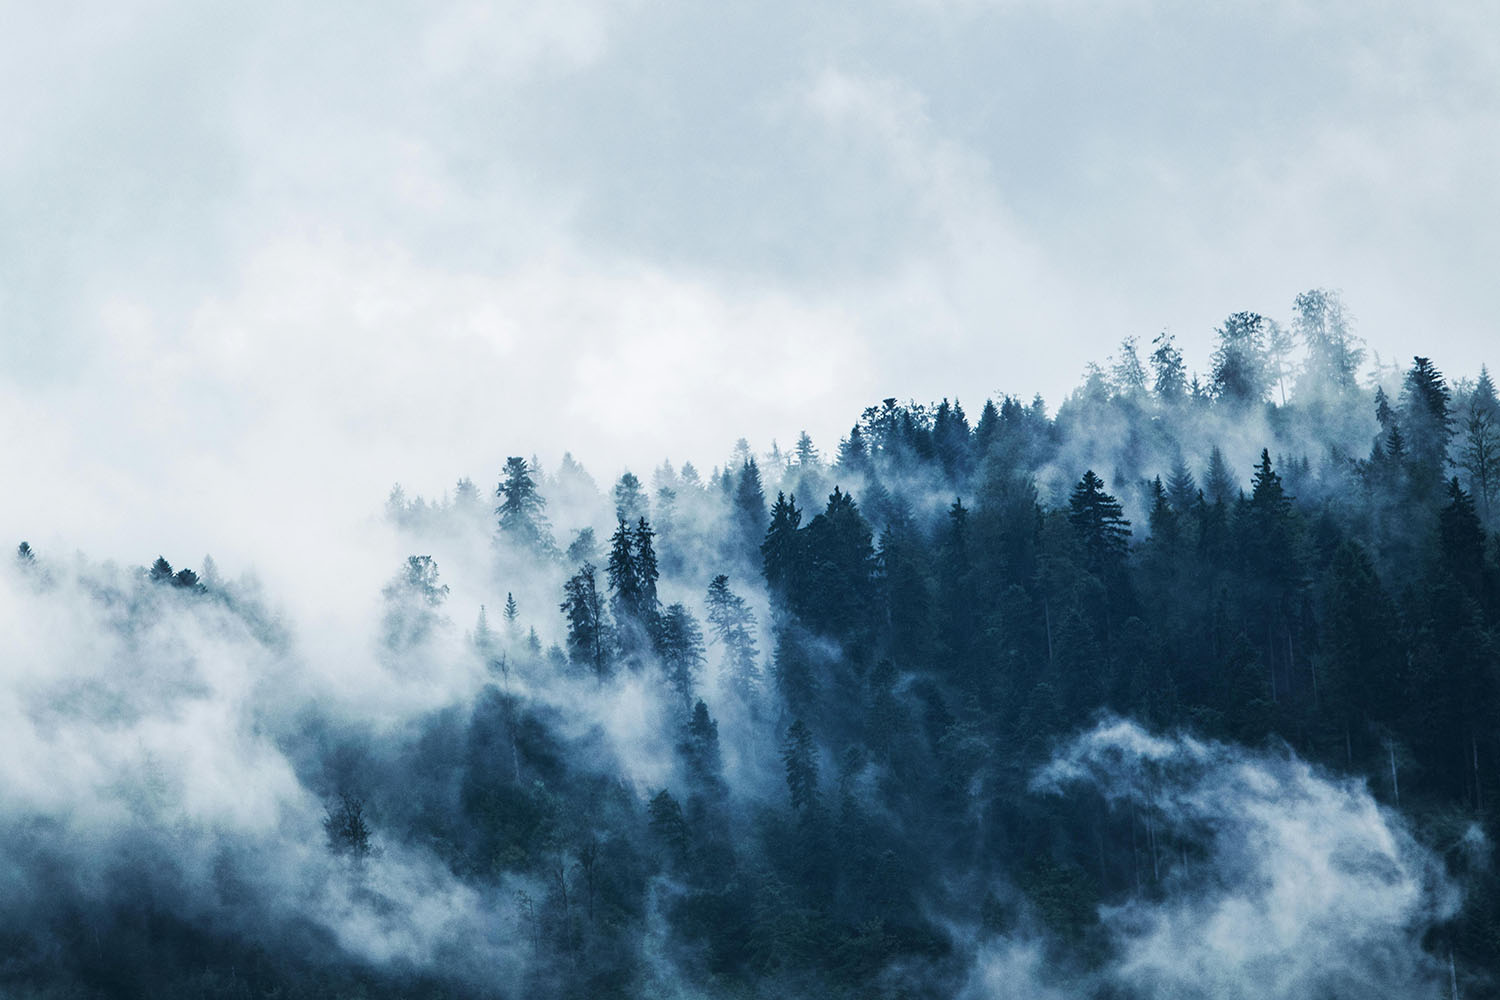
1099, 522
522, 517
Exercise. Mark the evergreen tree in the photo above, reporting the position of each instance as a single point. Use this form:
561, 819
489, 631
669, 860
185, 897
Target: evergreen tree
1182, 491
840, 554
733, 626
701, 752
646, 575
1428, 426
986, 430
483, 639
161, 571
630, 499
854, 454
412, 598
512, 612
1461, 540
1361, 657
781, 551
806, 455
958, 619
1333, 353
1480, 457
1169, 374
682, 654
908, 607
750, 507
583, 548
589, 638
1239, 360
1099, 522
799, 758
1219, 484
522, 510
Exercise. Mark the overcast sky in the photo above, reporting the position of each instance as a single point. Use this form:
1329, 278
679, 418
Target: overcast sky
259, 261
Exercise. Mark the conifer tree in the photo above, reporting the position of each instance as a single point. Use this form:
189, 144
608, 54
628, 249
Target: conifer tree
733, 626
1428, 427
1169, 374
522, 510
512, 615
781, 551
750, 507
1239, 360
630, 499
1219, 484
1099, 522
799, 758
681, 648
589, 637
1182, 491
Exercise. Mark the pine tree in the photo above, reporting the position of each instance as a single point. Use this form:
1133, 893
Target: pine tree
781, 551
1182, 491
733, 625
701, 753
681, 648
1428, 425
1099, 522
522, 510
1127, 374
630, 499
1480, 457
799, 758
807, 453
648, 608
412, 599
1239, 360
986, 430
1461, 540
902, 571
584, 547
840, 561
1333, 353
589, 637
958, 621
1219, 484
854, 455
1361, 659
1169, 373
750, 508
512, 615
484, 637
161, 571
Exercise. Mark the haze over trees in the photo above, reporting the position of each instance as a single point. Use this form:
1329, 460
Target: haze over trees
946, 707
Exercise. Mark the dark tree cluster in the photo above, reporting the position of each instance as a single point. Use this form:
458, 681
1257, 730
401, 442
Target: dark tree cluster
864, 677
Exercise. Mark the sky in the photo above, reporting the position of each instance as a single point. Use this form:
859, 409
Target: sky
258, 262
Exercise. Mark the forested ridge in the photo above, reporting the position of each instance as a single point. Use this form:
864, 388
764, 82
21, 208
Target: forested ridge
1190, 687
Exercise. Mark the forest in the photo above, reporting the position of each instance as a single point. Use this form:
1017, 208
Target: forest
1188, 686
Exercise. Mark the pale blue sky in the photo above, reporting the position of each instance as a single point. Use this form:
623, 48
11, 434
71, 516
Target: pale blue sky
345, 244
